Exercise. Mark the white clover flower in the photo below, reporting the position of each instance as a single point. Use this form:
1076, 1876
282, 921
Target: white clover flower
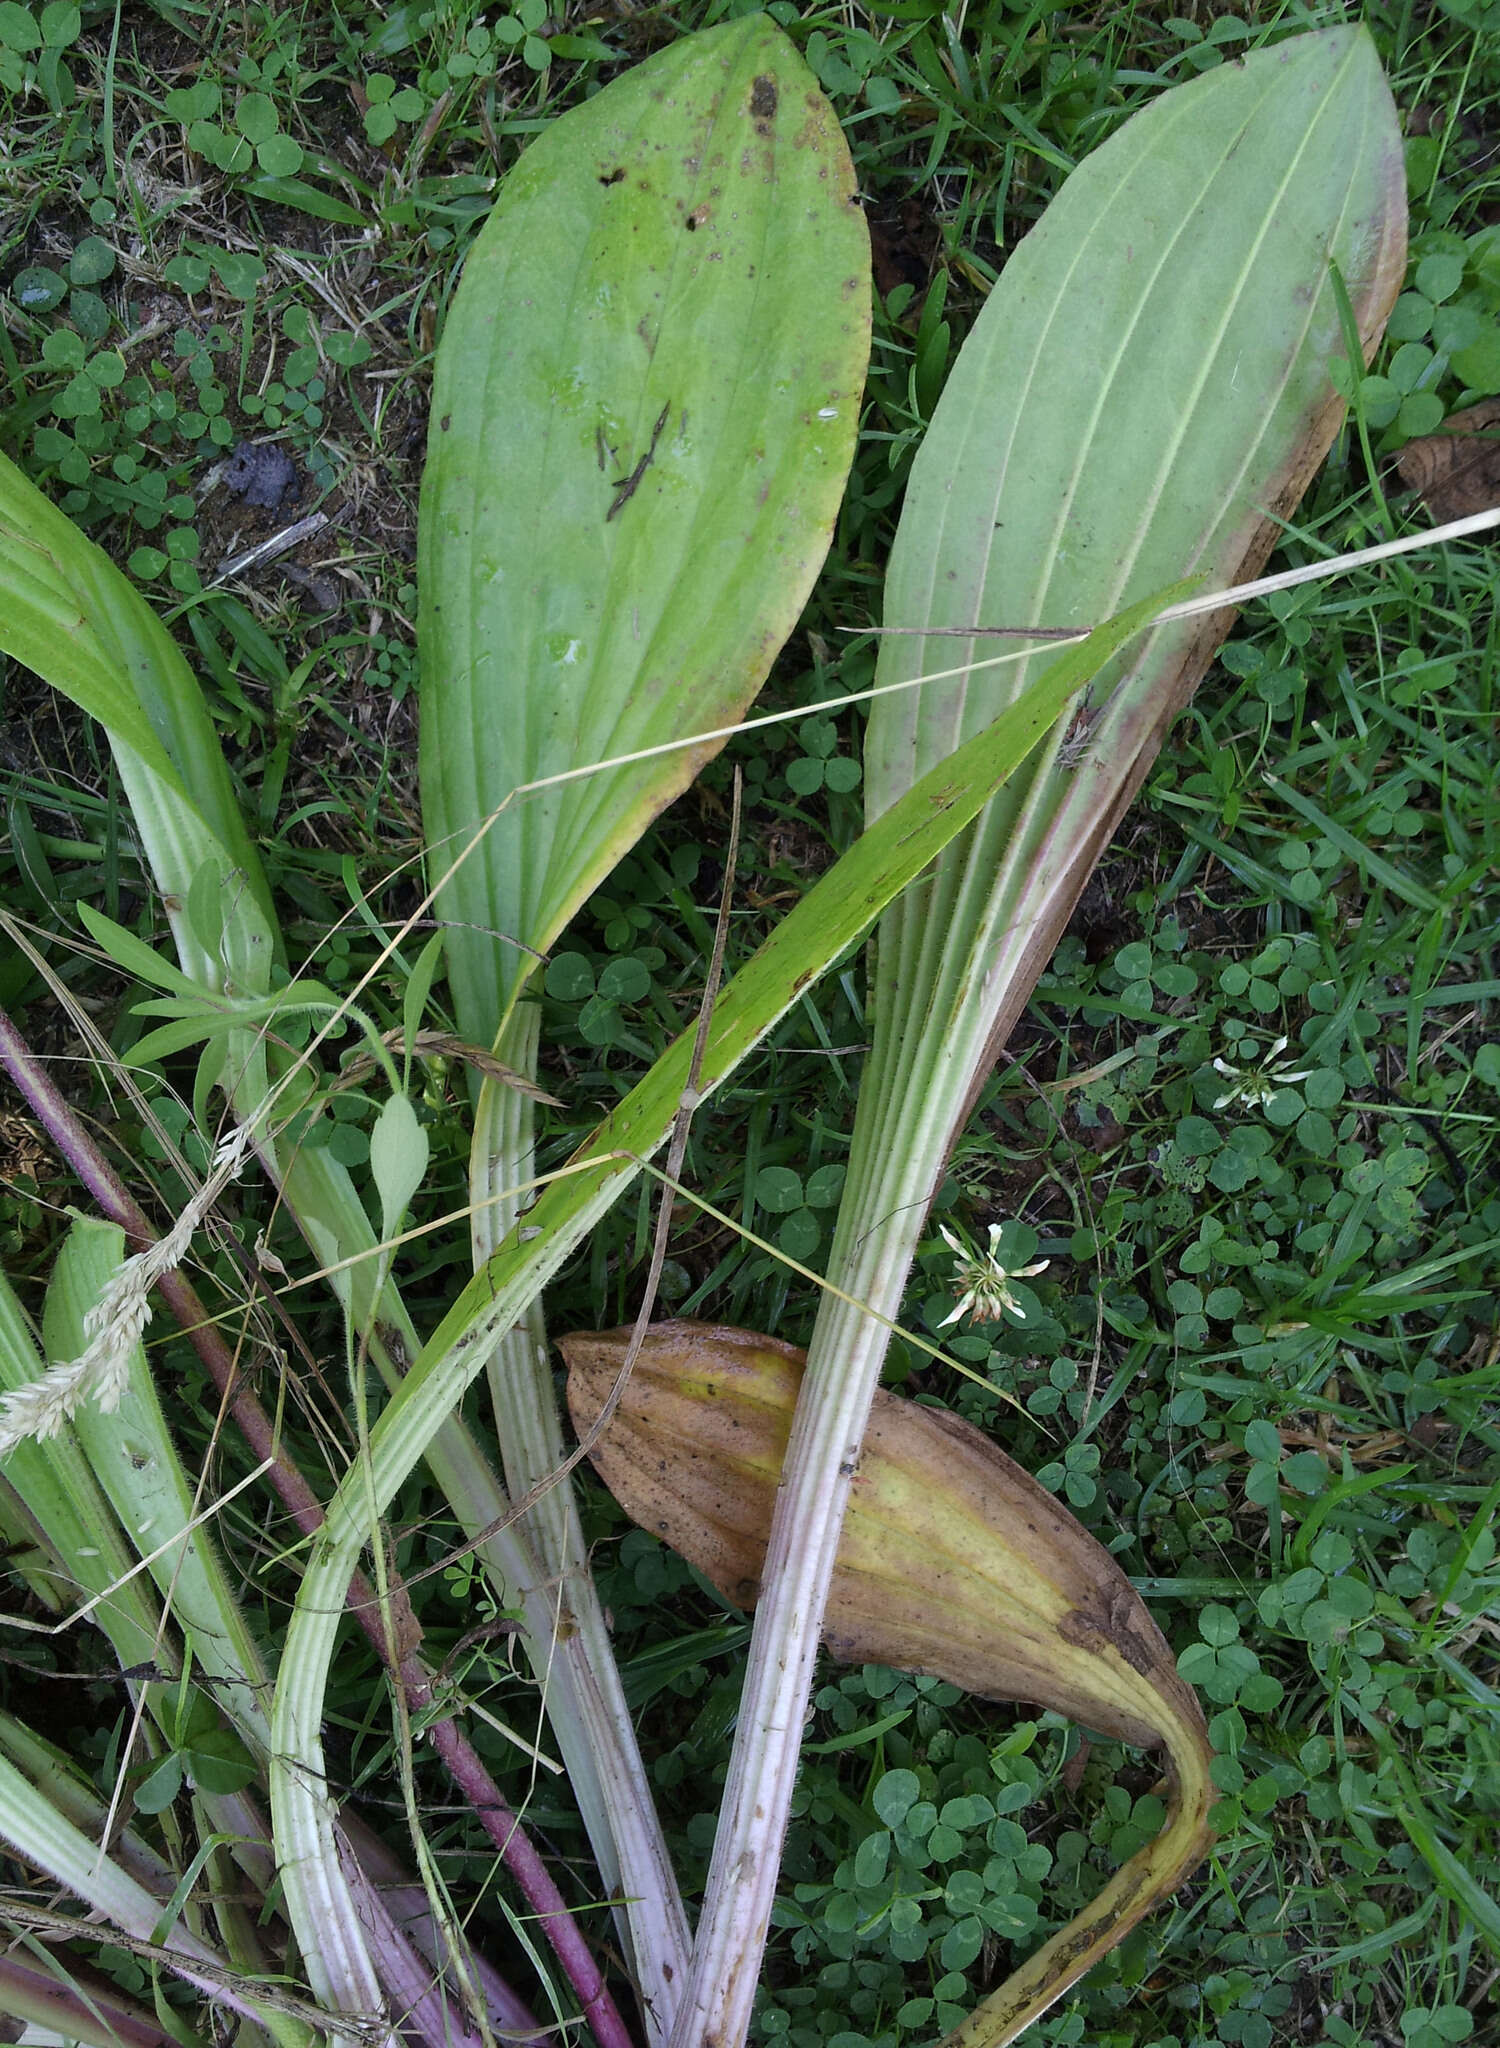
1255, 1086
986, 1294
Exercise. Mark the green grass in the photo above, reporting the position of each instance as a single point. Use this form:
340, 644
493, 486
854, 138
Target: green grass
1264, 1361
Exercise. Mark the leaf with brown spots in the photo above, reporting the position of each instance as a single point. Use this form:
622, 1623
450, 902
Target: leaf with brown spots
650, 380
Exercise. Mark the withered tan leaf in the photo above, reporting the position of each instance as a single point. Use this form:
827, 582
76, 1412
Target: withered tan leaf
1456, 472
953, 1561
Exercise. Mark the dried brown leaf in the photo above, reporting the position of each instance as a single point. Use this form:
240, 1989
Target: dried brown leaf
953, 1560
1456, 472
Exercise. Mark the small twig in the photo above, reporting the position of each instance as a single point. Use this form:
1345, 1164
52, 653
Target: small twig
425, 134
491, 139
691, 1097
676, 1144
241, 1993
1218, 600
267, 550
443, 1045
1044, 1094
626, 486
974, 632
27, 1987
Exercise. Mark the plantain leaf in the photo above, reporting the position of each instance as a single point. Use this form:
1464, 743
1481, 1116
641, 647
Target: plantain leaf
1144, 394
953, 1560
644, 410
1145, 389
643, 413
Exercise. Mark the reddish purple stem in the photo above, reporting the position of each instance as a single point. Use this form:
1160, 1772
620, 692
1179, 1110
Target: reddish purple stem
456, 1751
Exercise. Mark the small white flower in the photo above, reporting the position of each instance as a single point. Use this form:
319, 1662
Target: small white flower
986, 1294
1256, 1085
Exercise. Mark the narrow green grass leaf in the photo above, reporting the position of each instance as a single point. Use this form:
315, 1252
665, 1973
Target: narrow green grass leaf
1431, 998
301, 197
856, 1738
136, 957
653, 1669
205, 1016
1453, 1877
414, 995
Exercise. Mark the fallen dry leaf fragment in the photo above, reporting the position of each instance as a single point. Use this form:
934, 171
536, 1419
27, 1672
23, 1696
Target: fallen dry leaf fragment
953, 1561
1456, 472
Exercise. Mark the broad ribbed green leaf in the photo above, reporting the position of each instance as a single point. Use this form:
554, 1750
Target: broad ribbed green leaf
644, 410
643, 414
1146, 386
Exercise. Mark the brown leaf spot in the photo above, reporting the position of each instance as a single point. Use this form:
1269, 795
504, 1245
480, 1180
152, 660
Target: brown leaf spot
763, 98
1108, 1625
